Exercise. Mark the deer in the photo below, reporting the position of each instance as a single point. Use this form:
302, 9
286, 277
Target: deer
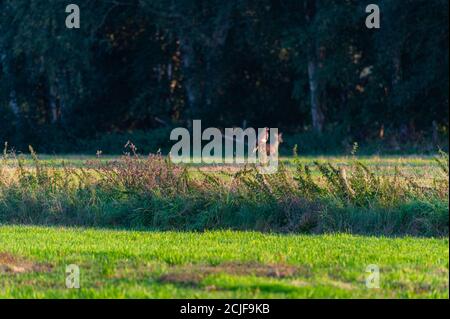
263, 137
270, 149
273, 147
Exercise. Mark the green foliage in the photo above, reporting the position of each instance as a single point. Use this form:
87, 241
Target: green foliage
153, 193
137, 66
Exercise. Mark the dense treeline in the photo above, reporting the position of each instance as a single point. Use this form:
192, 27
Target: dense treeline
303, 66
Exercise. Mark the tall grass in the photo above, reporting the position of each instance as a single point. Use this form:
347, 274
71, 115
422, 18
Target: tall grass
153, 193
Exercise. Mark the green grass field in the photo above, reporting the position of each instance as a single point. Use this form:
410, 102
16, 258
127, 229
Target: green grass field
219, 264
144, 228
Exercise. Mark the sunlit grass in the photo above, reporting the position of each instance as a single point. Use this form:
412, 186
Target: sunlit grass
136, 264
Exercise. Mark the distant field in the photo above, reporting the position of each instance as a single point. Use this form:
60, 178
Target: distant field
390, 160
422, 166
219, 264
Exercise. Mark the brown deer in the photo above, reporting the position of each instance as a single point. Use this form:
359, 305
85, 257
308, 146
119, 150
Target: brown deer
263, 137
273, 147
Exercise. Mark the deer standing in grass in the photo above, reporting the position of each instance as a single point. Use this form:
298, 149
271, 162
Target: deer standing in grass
265, 149
273, 147
263, 137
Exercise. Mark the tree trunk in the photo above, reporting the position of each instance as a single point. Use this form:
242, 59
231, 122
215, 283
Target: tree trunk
215, 44
190, 82
13, 103
53, 105
317, 114
12, 94
55, 99
316, 102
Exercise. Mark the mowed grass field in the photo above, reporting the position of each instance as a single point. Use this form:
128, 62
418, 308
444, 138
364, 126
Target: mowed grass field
217, 264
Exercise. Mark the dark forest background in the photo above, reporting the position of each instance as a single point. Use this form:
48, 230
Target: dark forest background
136, 69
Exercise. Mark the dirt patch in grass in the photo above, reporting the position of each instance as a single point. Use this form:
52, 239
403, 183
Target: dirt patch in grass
15, 265
342, 285
194, 274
